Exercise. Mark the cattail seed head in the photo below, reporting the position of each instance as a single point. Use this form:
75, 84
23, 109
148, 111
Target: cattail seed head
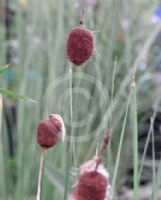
48, 130
79, 45
93, 183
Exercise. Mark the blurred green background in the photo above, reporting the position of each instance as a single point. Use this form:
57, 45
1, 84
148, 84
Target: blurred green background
33, 37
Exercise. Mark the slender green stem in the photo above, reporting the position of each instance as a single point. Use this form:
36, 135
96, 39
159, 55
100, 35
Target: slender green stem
154, 194
3, 180
145, 151
119, 150
134, 129
112, 88
39, 185
69, 143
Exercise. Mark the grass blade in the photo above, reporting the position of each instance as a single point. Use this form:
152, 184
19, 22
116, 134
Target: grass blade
15, 94
2, 180
154, 189
119, 150
134, 130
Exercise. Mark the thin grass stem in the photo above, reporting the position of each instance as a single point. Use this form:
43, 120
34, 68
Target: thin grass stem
39, 185
116, 169
135, 138
154, 194
69, 143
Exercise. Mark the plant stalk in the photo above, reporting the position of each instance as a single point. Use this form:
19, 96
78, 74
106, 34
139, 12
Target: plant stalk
39, 185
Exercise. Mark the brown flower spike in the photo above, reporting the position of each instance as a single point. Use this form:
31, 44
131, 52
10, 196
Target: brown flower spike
93, 182
48, 130
79, 45
47, 136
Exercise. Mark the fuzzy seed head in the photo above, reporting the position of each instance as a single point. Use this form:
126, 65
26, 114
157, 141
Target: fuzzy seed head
79, 45
48, 130
93, 183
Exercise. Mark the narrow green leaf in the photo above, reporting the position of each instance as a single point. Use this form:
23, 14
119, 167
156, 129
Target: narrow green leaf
116, 169
154, 188
145, 151
134, 130
15, 94
2, 165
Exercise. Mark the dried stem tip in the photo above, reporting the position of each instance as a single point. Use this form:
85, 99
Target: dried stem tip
79, 45
48, 130
106, 140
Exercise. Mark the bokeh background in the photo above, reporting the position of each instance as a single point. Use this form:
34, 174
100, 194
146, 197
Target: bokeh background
127, 41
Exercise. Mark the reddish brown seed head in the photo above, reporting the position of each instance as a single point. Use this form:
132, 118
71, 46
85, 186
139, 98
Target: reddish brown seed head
91, 186
47, 134
48, 130
79, 45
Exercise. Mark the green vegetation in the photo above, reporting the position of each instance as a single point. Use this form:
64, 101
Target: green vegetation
91, 99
